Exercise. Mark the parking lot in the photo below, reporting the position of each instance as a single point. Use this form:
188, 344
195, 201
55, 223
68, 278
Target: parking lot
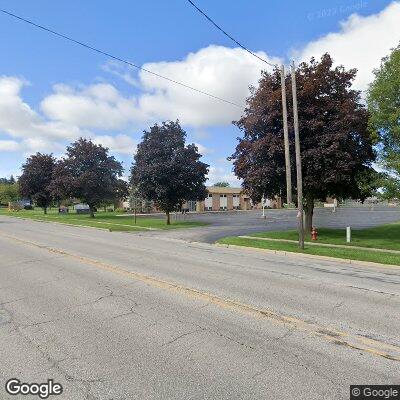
222, 224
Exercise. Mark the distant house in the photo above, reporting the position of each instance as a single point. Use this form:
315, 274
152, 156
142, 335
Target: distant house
218, 199
141, 205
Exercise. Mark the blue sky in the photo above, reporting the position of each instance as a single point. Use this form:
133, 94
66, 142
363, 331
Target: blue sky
52, 91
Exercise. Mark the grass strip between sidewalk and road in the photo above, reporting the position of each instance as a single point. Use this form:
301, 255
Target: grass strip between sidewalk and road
336, 252
316, 243
385, 236
103, 220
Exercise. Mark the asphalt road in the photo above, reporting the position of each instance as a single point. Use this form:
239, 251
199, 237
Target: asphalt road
124, 316
222, 224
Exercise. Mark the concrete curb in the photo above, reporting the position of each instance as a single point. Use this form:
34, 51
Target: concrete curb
291, 254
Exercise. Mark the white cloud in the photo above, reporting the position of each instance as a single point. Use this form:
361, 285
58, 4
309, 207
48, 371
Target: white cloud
98, 110
31, 145
99, 106
122, 144
221, 71
361, 42
220, 174
19, 120
41, 144
9, 145
203, 150
67, 113
119, 70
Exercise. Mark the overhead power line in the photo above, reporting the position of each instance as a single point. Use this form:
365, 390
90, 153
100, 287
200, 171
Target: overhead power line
94, 49
285, 126
229, 36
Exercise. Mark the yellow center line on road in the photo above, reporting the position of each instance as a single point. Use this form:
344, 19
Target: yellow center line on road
358, 342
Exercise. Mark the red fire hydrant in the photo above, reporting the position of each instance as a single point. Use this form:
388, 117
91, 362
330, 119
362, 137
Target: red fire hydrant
314, 233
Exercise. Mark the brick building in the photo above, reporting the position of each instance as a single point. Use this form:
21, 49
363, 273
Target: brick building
227, 198
218, 199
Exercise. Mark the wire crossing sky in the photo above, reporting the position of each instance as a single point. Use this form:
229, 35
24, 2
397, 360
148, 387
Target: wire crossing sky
229, 36
52, 93
115, 57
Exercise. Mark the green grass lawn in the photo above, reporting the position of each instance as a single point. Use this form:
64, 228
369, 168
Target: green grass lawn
104, 220
381, 237
352, 254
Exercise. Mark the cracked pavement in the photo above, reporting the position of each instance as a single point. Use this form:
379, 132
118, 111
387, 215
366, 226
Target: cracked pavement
111, 336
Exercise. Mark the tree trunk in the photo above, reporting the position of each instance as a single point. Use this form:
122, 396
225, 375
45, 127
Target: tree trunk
91, 212
309, 213
168, 218
45, 210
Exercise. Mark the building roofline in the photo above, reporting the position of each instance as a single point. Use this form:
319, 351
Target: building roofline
224, 190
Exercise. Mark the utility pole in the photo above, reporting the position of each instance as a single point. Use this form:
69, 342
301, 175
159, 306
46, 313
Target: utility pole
286, 138
298, 159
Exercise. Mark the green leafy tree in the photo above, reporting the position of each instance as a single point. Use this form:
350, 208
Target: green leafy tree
8, 192
167, 171
390, 181
121, 193
336, 148
390, 188
368, 183
384, 107
222, 184
89, 174
384, 103
36, 178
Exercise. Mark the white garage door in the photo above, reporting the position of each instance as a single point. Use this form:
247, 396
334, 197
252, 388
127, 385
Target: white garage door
236, 201
208, 203
223, 202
